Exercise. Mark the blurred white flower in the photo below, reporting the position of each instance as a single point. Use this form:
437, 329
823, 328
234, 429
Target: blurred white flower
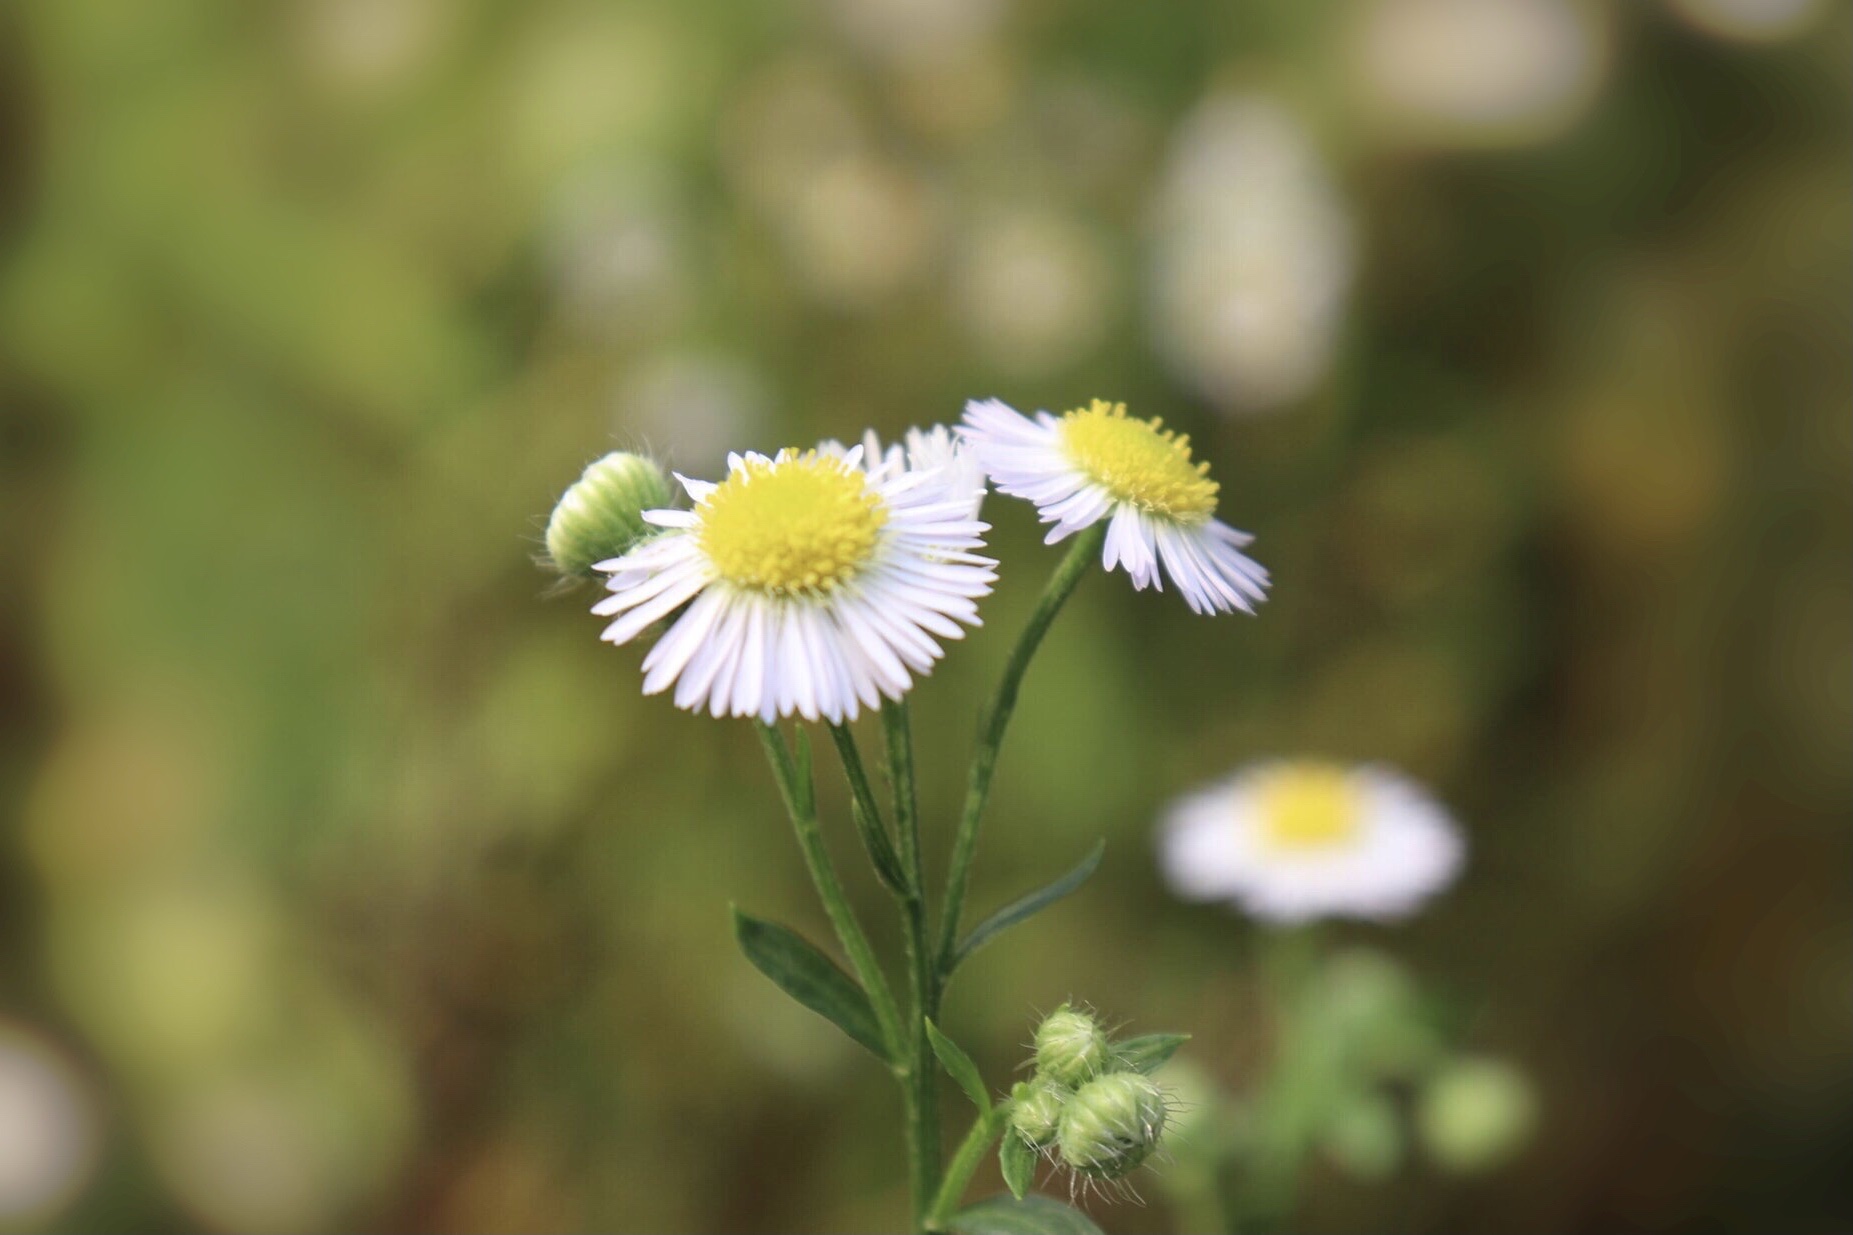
912, 33
364, 46
49, 1134
1752, 21
1293, 841
1032, 290
1475, 72
860, 230
619, 254
1253, 260
690, 407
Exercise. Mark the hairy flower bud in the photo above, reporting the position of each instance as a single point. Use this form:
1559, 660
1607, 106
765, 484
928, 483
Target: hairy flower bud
1071, 1048
1036, 1110
1111, 1125
1475, 1113
601, 516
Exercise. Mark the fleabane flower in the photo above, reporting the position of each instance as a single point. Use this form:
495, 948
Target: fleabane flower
936, 449
814, 586
1292, 841
1099, 463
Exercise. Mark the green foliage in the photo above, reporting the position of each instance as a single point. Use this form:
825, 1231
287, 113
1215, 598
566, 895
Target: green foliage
1148, 1052
1028, 1215
1026, 906
959, 1067
811, 978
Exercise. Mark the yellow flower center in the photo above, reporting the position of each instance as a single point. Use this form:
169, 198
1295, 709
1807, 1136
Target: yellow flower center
1310, 806
1139, 461
801, 523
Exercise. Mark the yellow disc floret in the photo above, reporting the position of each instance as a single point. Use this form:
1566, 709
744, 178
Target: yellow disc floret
800, 523
1309, 806
1139, 461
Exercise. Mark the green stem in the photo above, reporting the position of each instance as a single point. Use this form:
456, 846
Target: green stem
801, 805
991, 726
920, 1086
985, 1131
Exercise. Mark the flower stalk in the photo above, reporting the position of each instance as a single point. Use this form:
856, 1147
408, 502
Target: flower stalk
991, 726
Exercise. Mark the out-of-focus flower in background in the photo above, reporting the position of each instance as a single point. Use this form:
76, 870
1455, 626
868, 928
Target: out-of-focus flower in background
50, 1129
1475, 72
915, 33
1294, 841
1252, 255
618, 249
1033, 289
1751, 21
690, 406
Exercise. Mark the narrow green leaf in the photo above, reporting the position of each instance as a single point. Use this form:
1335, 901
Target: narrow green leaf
1018, 1161
960, 1067
810, 977
1025, 906
867, 815
1032, 1215
1148, 1052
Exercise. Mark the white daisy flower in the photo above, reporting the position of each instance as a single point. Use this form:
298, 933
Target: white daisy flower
1296, 840
1098, 463
813, 586
923, 450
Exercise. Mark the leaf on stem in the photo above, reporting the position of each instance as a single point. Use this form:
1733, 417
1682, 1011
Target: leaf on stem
863, 810
1018, 1162
1031, 1215
1025, 906
960, 1067
1148, 1052
811, 978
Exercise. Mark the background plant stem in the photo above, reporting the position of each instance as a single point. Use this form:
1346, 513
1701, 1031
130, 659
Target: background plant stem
991, 725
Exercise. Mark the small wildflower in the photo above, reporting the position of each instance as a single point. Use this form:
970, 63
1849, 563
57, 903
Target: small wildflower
1294, 841
814, 586
1099, 463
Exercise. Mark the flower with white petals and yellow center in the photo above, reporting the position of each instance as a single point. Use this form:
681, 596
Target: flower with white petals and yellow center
814, 585
1099, 463
1293, 841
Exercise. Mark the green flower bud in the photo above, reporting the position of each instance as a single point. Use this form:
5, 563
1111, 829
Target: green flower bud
1476, 1112
1071, 1048
601, 516
1364, 1138
1111, 1125
1036, 1110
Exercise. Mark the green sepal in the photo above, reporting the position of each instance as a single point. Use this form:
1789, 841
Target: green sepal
1018, 1162
1148, 1052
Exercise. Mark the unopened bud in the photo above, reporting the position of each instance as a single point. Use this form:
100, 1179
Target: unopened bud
1071, 1048
1475, 1113
601, 516
1112, 1124
1036, 1110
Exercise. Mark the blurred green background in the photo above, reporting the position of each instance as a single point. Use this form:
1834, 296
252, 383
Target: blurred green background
347, 884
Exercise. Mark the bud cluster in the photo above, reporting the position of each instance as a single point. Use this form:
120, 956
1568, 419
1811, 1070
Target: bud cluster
1087, 1107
